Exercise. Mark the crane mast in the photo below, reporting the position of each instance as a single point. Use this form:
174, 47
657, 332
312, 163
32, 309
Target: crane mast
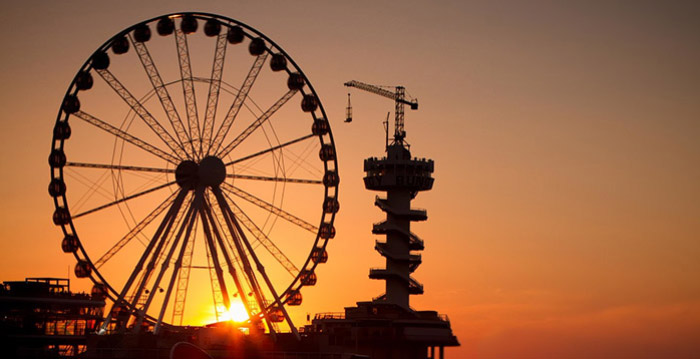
399, 96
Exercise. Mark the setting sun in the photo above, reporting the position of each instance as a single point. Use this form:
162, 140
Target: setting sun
237, 313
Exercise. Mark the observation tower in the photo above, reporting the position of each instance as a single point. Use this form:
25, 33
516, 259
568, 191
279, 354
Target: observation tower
401, 177
387, 327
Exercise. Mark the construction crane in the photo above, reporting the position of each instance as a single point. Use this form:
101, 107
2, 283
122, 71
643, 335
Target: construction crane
398, 95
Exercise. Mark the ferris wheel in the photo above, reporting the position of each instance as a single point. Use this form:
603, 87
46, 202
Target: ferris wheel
193, 169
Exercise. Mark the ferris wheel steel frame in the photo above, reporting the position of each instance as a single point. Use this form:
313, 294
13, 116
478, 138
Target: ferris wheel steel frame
196, 150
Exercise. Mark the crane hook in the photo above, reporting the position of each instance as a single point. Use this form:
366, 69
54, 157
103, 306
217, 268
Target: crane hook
348, 111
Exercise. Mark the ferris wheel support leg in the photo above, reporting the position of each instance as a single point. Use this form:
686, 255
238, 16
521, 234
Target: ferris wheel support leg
151, 266
186, 226
261, 270
169, 217
178, 263
231, 266
215, 258
257, 292
206, 213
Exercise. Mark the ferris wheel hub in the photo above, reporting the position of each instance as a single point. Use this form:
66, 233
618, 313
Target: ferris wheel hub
186, 174
212, 171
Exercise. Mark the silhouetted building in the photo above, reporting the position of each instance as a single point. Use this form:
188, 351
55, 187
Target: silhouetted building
41, 318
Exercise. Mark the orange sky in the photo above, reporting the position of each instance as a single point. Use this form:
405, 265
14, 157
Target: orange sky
564, 218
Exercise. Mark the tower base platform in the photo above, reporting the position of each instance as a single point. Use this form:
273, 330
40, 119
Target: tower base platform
373, 330
383, 331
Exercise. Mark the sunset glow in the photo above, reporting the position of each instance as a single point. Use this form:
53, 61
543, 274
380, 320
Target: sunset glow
563, 222
237, 313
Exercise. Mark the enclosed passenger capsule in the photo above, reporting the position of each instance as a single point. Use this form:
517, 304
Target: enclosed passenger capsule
212, 27
188, 24
278, 62
294, 298
120, 45
99, 291
82, 269
71, 104
276, 315
326, 153
142, 33
83, 81
331, 205
165, 26
309, 103
100, 60
61, 131
69, 244
295, 81
319, 255
327, 231
257, 46
308, 278
235, 35
57, 158
320, 127
61, 216
57, 187
331, 179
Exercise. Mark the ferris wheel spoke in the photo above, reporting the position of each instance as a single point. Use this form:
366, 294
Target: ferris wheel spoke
270, 207
301, 161
217, 71
270, 149
183, 53
156, 239
257, 123
275, 179
138, 108
119, 167
135, 231
234, 230
93, 187
126, 137
237, 103
163, 95
263, 239
124, 199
